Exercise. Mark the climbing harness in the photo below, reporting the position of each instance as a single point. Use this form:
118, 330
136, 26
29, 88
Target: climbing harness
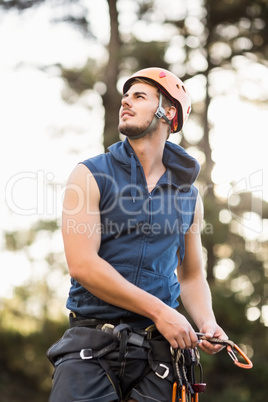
82, 343
86, 343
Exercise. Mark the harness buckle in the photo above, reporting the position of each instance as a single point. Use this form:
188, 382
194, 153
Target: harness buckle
166, 373
86, 354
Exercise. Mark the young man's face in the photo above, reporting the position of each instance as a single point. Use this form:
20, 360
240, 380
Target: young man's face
138, 107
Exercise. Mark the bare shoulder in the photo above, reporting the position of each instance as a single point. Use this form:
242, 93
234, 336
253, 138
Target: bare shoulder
81, 190
199, 208
198, 217
80, 175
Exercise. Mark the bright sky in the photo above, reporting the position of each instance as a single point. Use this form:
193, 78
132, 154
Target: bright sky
35, 163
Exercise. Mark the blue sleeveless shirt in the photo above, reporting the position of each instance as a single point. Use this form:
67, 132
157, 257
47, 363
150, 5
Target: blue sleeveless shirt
141, 231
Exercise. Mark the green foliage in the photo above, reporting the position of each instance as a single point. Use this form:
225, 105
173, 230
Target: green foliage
19, 4
25, 372
242, 26
81, 79
138, 55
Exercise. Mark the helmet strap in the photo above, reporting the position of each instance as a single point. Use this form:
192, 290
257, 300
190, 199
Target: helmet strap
160, 113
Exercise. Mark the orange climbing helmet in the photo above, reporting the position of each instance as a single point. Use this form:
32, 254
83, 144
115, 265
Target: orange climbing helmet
172, 87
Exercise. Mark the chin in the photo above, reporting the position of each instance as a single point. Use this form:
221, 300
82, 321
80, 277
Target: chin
130, 132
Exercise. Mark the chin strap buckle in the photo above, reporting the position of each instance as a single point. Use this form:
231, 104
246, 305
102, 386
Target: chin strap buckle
160, 113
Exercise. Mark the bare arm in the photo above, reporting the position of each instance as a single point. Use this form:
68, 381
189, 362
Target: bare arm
195, 292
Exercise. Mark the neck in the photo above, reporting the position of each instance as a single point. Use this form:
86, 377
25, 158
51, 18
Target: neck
150, 150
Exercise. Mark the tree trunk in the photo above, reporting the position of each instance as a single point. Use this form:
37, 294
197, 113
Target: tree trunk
111, 98
209, 200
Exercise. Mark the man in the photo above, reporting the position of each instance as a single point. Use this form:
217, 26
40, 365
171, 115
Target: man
131, 218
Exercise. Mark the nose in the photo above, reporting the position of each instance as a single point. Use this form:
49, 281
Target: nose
126, 101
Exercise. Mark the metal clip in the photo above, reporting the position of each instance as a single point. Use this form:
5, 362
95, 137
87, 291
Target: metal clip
231, 348
166, 373
231, 351
160, 112
182, 391
175, 353
84, 354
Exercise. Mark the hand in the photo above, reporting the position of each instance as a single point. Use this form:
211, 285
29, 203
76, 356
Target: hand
212, 330
176, 329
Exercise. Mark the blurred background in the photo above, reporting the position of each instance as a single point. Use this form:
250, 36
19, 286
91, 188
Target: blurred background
62, 67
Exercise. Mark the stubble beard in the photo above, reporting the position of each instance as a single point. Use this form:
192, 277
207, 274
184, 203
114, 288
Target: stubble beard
132, 131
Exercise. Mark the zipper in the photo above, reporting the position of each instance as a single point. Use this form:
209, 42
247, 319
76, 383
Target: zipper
145, 238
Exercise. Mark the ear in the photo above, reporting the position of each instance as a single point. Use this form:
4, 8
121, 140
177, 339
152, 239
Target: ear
170, 112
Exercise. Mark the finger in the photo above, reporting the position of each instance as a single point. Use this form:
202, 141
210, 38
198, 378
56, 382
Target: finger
209, 348
189, 341
174, 344
205, 348
182, 344
194, 339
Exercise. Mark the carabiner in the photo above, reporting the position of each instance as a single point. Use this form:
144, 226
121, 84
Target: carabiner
195, 398
174, 393
183, 393
230, 350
